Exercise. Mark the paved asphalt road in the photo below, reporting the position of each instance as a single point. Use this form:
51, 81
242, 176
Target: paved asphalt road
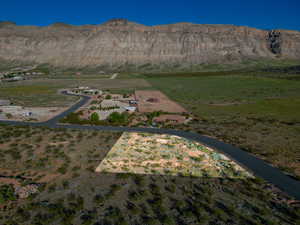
259, 167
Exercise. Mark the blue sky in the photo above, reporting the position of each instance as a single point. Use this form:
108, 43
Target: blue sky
265, 14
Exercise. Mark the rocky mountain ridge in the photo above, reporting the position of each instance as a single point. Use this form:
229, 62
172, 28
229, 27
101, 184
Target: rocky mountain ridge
119, 42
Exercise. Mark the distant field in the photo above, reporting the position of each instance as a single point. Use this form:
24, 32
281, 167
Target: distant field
261, 115
45, 92
35, 95
73, 76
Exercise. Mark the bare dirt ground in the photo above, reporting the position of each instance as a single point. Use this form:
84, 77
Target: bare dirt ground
39, 114
150, 101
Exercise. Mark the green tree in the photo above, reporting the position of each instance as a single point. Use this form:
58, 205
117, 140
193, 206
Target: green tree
94, 117
71, 118
118, 118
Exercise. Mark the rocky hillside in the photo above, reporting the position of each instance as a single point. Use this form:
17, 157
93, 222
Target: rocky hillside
119, 42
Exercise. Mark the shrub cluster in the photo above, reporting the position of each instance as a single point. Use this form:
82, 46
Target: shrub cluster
7, 193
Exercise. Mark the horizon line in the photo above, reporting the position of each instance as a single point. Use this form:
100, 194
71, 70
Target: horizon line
124, 19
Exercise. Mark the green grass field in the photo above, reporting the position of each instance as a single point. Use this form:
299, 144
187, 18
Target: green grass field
35, 95
261, 115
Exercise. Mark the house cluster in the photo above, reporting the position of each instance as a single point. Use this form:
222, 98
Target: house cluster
141, 102
104, 103
109, 103
108, 106
85, 91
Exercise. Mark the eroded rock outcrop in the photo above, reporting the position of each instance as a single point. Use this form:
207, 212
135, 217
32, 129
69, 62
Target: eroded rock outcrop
123, 42
275, 42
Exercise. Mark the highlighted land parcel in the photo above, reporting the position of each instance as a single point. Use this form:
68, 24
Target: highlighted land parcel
143, 153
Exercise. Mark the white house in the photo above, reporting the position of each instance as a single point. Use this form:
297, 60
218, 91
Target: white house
130, 108
106, 103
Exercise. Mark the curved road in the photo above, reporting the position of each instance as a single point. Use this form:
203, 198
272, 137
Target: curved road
259, 167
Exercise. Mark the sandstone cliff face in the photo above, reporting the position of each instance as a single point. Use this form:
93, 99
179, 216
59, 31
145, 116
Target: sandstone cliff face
119, 41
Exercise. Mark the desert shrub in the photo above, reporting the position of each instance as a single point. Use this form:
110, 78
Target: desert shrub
75, 168
170, 187
133, 208
62, 169
9, 115
7, 193
150, 220
15, 155
123, 175
86, 219
65, 184
52, 188
23, 215
90, 169
155, 189
113, 212
197, 159
71, 197
167, 220
99, 199
41, 187
39, 139
113, 189
139, 180
43, 218
133, 196
80, 202
74, 175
